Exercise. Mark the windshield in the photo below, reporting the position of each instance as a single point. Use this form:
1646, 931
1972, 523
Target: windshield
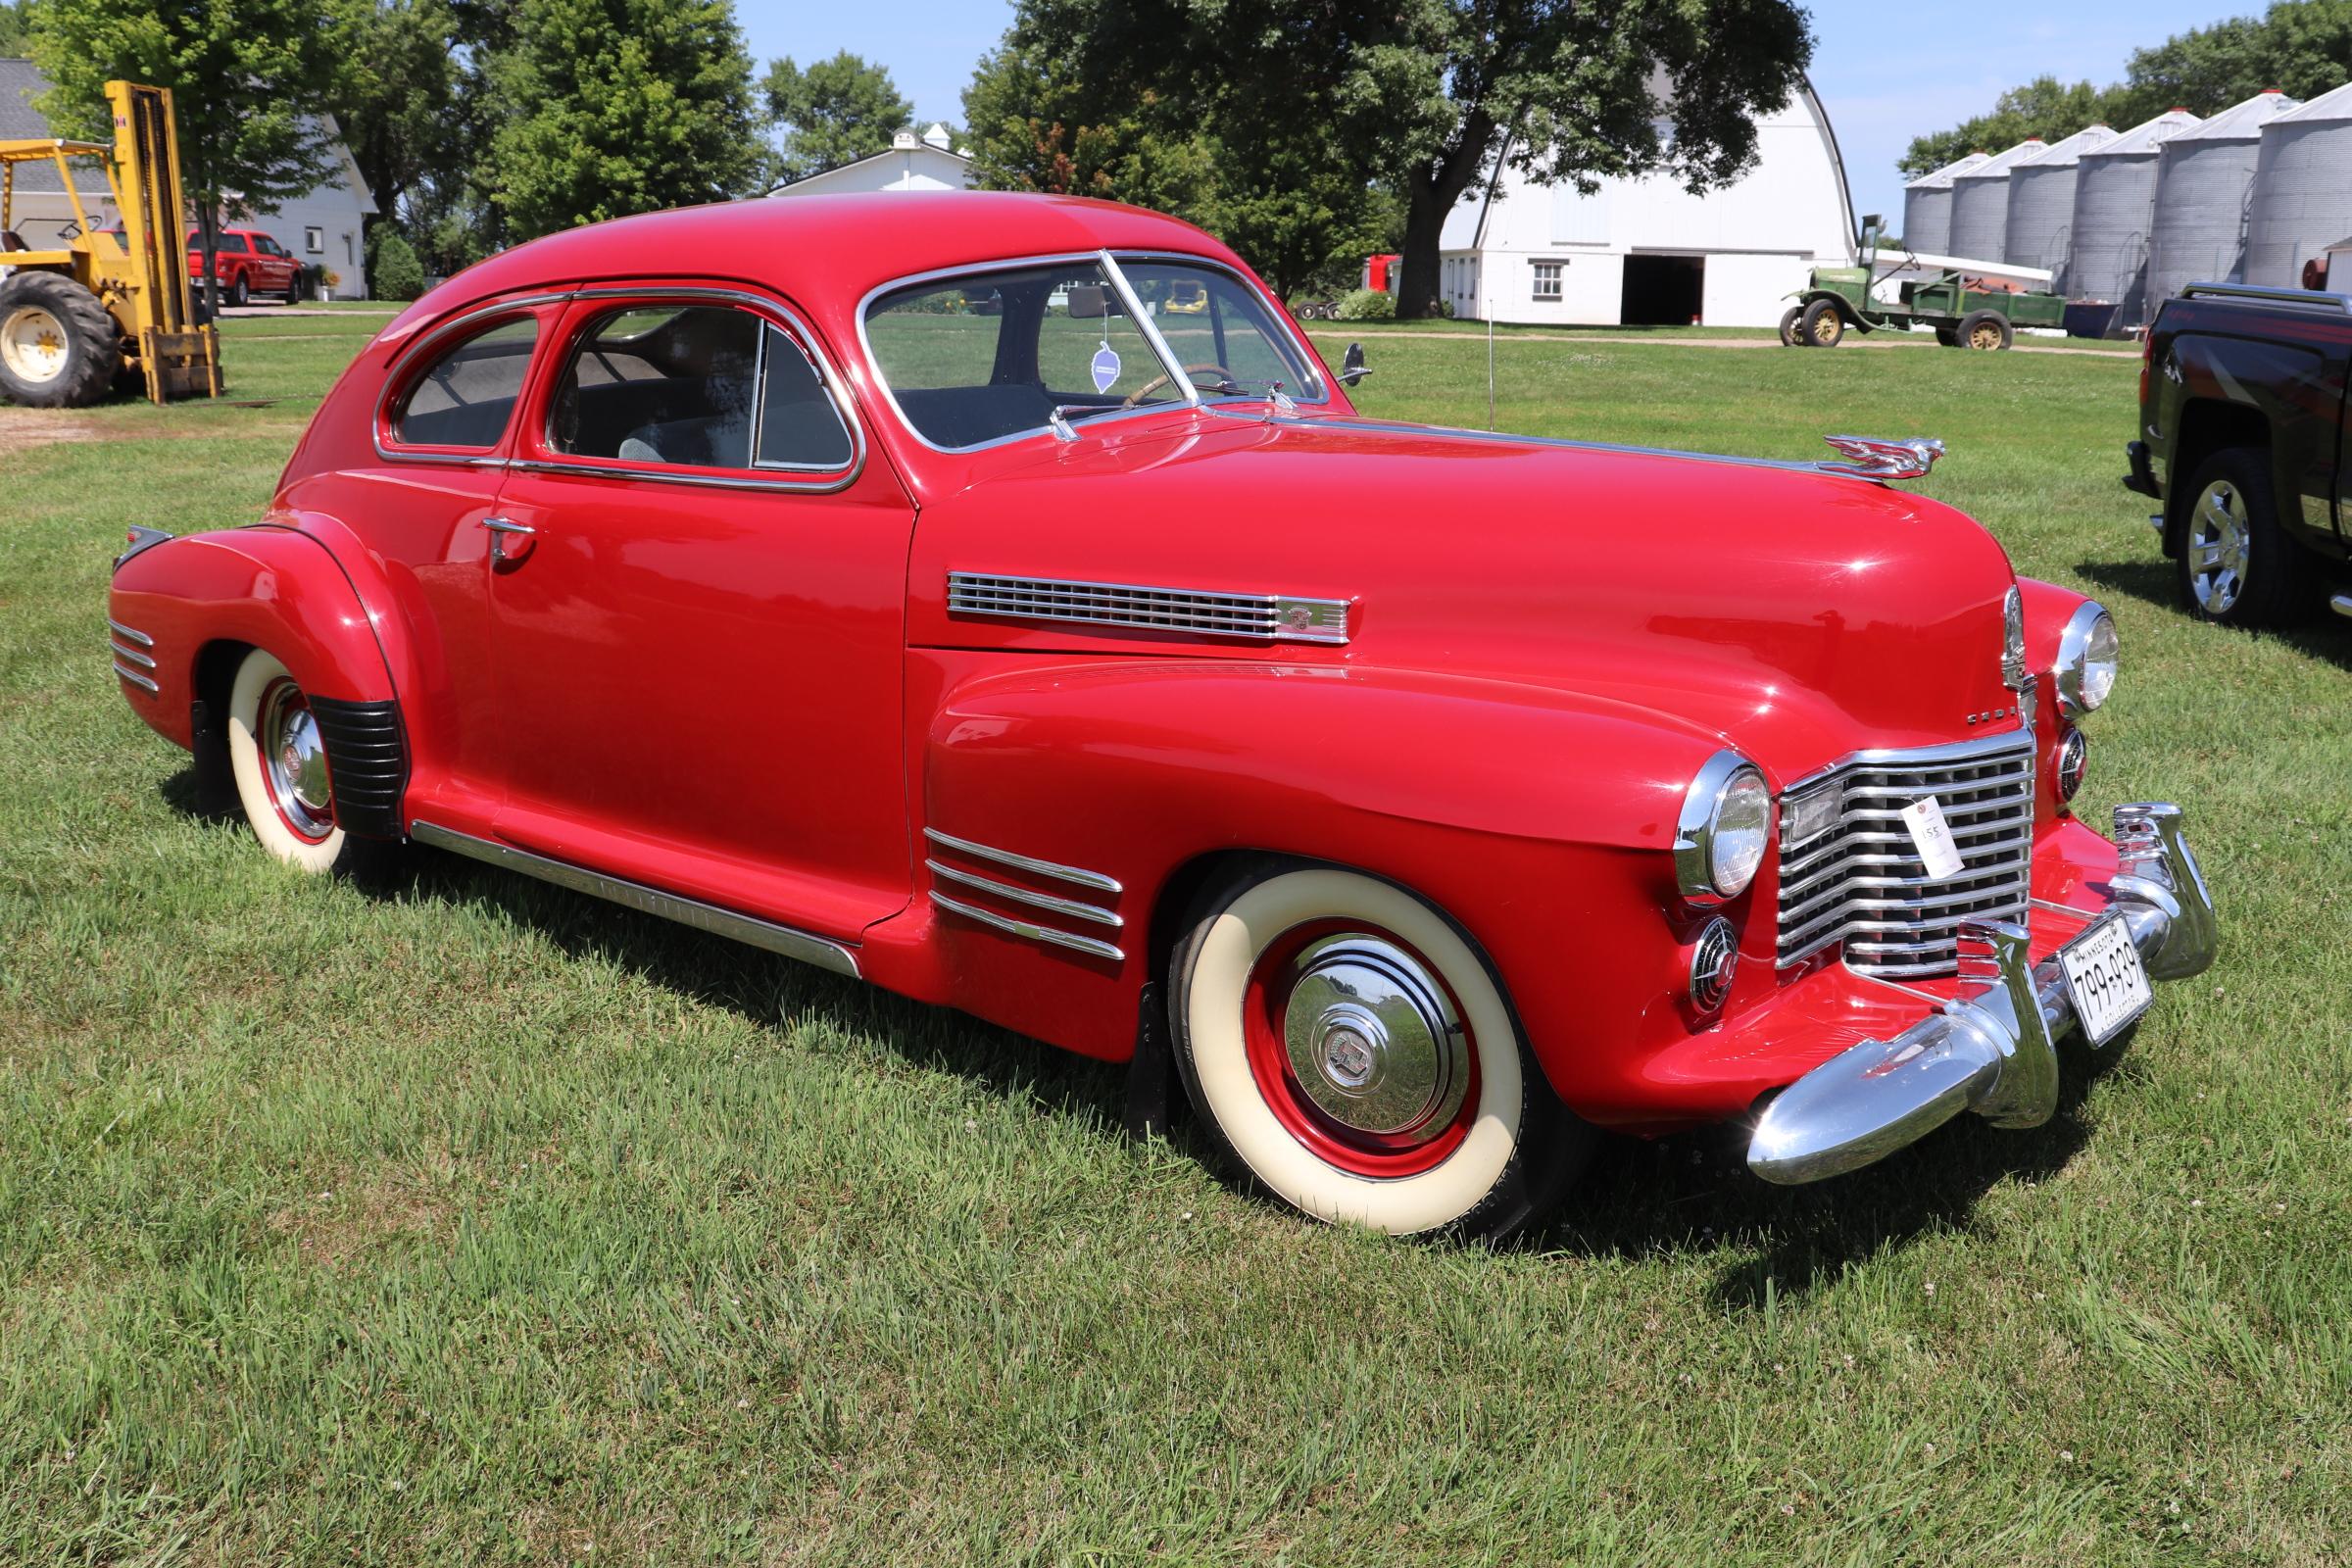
1221, 329
984, 357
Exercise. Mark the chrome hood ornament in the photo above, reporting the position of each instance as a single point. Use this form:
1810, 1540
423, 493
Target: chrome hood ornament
1870, 458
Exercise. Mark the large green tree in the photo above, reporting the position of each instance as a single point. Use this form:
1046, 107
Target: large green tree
16, 27
1312, 106
617, 107
834, 112
395, 93
248, 81
2302, 47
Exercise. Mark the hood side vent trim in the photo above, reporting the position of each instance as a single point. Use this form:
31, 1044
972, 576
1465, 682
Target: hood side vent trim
1200, 612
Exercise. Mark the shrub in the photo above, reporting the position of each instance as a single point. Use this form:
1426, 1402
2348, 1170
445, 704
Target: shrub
1368, 305
393, 271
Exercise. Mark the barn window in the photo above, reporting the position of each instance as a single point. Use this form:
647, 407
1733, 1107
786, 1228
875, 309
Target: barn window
1548, 279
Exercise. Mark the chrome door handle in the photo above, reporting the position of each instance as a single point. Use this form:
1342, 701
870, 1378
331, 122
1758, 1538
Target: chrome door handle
504, 528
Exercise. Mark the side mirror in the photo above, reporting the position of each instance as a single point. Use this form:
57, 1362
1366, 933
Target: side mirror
1353, 369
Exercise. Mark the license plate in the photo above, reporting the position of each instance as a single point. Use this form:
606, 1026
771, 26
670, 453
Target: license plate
2105, 979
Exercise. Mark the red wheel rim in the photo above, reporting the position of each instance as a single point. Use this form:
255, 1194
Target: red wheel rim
1266, 1018
293, 762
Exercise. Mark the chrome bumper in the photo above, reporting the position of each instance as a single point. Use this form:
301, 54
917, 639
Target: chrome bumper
1994, 1052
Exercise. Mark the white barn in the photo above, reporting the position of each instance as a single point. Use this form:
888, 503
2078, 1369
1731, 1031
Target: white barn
929, 161
1647, 252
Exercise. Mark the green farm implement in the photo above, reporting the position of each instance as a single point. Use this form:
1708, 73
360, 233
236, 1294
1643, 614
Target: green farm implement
1965, 312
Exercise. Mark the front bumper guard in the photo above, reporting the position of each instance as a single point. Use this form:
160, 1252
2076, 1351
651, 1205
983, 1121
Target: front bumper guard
1993, 1050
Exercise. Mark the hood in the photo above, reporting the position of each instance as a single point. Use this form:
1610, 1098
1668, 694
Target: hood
1800, 615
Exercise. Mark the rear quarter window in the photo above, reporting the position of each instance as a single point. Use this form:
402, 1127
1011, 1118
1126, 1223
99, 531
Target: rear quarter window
466, 396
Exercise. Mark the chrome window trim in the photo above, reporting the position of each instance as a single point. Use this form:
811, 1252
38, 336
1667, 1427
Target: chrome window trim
381, 419
1090, 945
1009, 264
822, 952
1282, 319
548, 460
1072, 907
1052, 868
1149, 324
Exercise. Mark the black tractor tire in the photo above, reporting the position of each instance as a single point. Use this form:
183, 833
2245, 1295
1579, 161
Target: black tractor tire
2239, 567
1988, 331
93, 345
1789, 324
1824, 325
240, 293
1948, 336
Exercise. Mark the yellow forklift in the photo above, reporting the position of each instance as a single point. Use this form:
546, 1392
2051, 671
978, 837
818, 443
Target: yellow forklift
76, 321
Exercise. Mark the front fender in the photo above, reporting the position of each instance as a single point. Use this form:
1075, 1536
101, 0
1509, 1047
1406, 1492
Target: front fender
1540, 820
265, 587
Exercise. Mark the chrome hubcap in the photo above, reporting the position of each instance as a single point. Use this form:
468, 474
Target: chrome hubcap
296, 757
33, 343
1373, 1038
2220, 544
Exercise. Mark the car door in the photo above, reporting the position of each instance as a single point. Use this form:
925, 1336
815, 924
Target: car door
700, 624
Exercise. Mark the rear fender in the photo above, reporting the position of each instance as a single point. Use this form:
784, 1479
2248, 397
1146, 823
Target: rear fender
1539, 820
263, 587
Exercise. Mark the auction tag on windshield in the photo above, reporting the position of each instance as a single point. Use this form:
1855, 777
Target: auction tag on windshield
1931, 835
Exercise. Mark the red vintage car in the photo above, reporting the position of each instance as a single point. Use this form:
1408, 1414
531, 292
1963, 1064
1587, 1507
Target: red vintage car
901, 585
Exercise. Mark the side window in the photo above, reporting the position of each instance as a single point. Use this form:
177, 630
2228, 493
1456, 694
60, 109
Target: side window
468, 394
695, 386
798, 425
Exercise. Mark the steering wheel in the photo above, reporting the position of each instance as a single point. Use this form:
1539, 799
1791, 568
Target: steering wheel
1163, 380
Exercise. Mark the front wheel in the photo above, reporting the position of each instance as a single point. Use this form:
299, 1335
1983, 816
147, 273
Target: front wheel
59, 348
1824, 325
1350, 1049
1789, 320
1986, 330
2237, 565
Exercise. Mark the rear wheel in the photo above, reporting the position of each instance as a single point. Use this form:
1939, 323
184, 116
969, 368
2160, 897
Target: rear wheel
58, 345
1948, 336
1988, 331
240, 292
1822, 327
1349, 1047
2238, 565
1789, 320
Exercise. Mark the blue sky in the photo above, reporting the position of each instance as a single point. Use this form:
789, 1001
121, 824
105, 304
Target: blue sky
1887, 70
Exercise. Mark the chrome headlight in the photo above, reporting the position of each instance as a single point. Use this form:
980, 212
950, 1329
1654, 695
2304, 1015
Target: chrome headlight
1723, 831
2086, 659
2013, 640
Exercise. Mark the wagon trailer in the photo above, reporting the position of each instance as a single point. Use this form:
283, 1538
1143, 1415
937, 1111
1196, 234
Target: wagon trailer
1964, 309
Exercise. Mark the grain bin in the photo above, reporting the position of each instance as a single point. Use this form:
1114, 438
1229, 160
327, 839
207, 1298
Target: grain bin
2041, 203
2115, 199
2302, 189
2204, 177
1980, 204
1928, 208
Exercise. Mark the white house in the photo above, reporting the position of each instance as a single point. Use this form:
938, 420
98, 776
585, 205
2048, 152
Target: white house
929, 161
1647, 252
323, 226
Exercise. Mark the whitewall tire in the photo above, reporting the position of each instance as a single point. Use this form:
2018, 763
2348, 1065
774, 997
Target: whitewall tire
1349, 1048
279, 764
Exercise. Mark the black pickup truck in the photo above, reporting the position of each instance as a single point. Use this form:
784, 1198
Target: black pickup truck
2242, 437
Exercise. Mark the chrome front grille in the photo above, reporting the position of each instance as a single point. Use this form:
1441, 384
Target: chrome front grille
1255, 618
1858, 878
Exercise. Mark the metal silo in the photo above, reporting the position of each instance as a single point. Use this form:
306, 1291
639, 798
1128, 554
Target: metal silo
2041, 202
1928, 208
2204, 177
2302, 189
2115, 199
1980, 204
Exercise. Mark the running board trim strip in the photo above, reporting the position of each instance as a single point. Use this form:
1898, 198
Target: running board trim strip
822, 952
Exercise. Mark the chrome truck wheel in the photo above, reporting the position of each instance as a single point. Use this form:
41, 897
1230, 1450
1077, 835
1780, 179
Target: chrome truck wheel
2218, 548
1350, 1049
2239, 564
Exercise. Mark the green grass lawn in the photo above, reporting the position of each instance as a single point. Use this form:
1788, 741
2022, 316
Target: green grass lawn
466, 1219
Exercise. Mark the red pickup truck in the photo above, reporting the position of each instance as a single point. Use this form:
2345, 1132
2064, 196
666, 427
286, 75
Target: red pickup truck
247, 262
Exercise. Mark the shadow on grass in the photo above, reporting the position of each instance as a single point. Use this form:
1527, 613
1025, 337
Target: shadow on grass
1680, 1197
2325, 637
